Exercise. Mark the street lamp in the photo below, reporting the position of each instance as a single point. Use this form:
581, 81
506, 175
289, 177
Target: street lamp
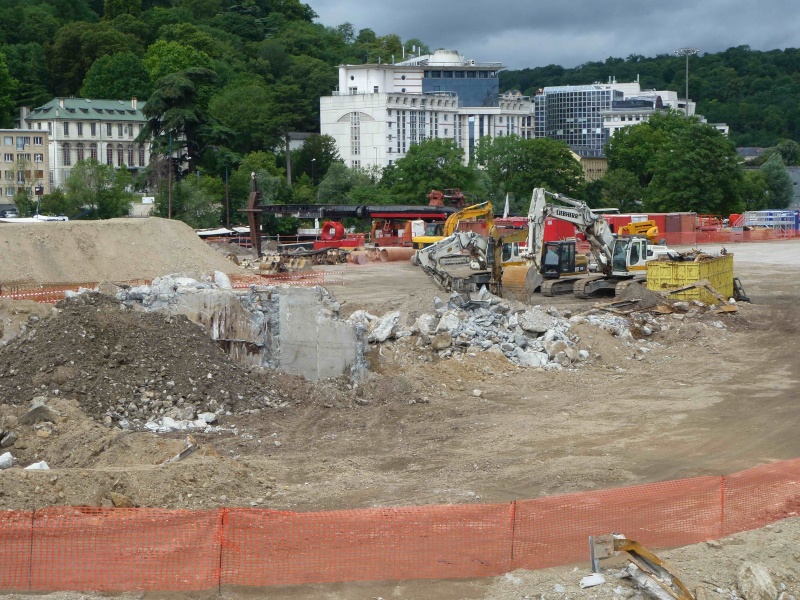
687, 52
313, 177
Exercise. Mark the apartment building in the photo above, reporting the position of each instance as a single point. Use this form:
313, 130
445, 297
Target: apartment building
83, 128
25, 163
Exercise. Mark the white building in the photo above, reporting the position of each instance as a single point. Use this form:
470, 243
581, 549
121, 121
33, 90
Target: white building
379, 111
84, 128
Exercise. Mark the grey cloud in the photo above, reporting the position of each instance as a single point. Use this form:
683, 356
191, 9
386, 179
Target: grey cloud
531, 33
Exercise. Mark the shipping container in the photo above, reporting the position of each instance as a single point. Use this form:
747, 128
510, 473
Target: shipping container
667, 275
661, 222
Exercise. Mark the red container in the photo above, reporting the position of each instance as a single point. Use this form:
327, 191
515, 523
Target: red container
556, 229
673, 224
661, 222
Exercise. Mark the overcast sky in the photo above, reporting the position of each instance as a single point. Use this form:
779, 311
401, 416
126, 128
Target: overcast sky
533, 33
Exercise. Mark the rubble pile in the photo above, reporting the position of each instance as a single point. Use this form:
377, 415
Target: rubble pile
529, 336
127, 365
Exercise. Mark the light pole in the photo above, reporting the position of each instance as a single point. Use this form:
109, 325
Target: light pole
687, 52
313, 176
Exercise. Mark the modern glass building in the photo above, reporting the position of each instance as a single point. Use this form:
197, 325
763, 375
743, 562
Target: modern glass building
572, 114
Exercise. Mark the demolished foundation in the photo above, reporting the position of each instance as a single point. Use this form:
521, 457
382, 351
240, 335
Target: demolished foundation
293, 330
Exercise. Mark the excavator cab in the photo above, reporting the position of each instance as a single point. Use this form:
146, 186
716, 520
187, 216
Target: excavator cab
630, 255
560, 258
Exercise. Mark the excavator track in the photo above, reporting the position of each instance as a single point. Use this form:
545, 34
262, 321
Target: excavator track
589, 287
557, 287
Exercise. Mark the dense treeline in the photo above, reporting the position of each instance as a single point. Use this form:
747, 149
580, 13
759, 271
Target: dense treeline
225, 83
754, 92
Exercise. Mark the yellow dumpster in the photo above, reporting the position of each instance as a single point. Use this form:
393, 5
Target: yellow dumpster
668, 274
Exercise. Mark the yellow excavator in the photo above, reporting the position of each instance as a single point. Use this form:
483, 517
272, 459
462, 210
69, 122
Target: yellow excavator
476, 211
648, 229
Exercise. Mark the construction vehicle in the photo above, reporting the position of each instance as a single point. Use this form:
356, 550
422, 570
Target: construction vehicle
450, 197
618, 259
648, 229
476, 211
467, 260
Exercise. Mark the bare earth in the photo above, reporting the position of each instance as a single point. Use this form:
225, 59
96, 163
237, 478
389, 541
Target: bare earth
704, 401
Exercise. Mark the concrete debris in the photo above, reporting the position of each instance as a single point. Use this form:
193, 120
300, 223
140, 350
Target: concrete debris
168, 424
294, 330
38, 466
755, 583
6, 460
527, 336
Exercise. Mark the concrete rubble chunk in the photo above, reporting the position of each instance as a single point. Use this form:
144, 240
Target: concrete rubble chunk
536, 321
384, 327
755, 583
38, 466
6, 460
449, 322
425, 324
531, 359
222, 280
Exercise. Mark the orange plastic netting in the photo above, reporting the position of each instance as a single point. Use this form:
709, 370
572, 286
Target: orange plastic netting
81, 548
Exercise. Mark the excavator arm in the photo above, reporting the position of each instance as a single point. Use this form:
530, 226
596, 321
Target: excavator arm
476, 211
596, 230
439, 260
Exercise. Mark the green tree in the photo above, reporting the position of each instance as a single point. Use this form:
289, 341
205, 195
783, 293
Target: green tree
789, 151
271, 182
26, 64
434, 164
114, 8
315, 157
778, 181
339, 182
197, 201
117, 77
56, 203
242, 108
635, 149
621, 189
8, 94
697, 170
755, 190
75, 49
24, 203
176, 115
167, 58
100, 191
515, 166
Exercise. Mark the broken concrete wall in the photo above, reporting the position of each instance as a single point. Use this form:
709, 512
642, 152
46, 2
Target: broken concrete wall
294, 330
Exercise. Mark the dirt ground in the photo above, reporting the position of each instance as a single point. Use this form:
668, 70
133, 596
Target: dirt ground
712, 396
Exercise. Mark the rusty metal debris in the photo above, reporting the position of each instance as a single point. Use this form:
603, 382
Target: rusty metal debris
651, 573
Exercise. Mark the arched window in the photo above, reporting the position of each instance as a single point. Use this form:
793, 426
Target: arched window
80, 152
120, 155
130, 156
141, 156
67, 155
93, 150
109, 155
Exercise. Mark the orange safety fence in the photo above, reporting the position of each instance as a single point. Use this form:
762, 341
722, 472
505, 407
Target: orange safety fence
114, 550
50, 294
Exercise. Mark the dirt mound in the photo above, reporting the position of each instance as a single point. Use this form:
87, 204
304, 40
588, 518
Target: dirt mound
644, 298
16, 314
94, 251
134, 363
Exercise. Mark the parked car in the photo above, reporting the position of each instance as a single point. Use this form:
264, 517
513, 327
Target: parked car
9, 214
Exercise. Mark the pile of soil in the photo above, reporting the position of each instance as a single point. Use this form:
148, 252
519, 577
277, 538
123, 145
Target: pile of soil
133, 363
95, 251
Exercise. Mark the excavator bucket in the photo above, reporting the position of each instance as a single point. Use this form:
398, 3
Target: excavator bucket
520, 282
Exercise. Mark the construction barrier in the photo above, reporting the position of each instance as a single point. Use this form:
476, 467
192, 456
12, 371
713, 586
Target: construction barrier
115, 550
